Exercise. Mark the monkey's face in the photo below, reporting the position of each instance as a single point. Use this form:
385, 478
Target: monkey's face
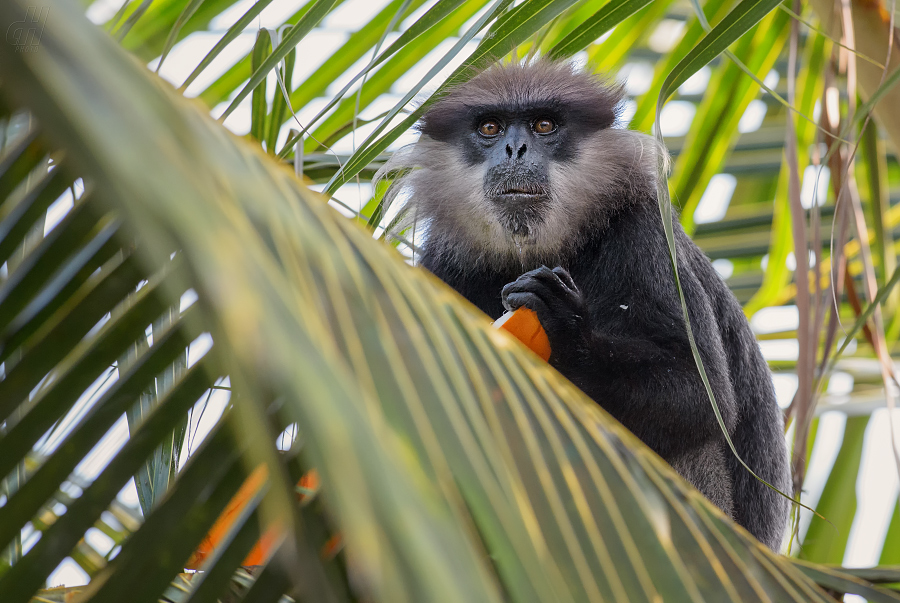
519, 162
514, 152
489, 175
515, 158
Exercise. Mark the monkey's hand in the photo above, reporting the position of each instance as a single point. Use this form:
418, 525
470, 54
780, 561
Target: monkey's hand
562, 310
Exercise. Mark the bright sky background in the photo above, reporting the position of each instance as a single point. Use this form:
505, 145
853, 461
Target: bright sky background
878, 483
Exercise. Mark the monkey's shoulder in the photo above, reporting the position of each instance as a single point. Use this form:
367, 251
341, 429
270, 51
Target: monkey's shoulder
625, 272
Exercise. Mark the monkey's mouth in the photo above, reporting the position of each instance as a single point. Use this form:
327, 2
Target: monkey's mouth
528, 201
520, 193
530, 192
520, 206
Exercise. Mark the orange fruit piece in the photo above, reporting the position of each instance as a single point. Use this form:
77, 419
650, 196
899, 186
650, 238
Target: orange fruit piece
524, 325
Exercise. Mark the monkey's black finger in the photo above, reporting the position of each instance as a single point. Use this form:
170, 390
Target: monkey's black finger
543, 273
565, 277
528, 283
552, 293
531, 301
522, 284
558, 278
547, 278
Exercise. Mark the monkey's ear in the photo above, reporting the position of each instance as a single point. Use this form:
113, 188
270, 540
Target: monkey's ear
523, 324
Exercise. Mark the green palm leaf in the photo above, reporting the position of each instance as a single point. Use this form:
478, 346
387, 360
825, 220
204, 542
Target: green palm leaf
455, 465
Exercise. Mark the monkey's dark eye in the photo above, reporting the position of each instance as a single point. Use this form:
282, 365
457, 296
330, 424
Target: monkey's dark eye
489, 128
544, 126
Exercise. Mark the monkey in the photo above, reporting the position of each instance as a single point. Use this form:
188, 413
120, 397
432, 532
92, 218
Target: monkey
528, 193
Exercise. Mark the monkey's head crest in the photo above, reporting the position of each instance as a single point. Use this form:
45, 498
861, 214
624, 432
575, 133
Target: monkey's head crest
519, 162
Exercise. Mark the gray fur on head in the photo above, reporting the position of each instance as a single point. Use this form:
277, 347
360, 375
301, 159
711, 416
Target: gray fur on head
445, 193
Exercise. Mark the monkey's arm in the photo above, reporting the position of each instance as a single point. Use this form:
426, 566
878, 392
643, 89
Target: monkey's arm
644, 375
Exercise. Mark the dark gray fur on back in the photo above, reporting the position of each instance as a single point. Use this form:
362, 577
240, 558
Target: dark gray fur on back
618, 333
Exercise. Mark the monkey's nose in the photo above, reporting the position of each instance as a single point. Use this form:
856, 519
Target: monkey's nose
519, 153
